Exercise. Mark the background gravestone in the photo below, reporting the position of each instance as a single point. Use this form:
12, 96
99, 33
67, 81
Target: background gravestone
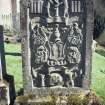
7, 90
56, 45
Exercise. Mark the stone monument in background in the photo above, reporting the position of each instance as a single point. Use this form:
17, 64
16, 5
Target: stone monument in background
7, 90
56, 46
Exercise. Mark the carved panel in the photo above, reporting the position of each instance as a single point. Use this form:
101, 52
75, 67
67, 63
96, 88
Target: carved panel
56, 41
57, 35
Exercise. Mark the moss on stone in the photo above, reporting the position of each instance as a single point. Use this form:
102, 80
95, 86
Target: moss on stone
22, 99
89, 99
80, 99
74, 100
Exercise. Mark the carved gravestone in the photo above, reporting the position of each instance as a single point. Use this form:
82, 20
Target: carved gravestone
7, 90
56, 45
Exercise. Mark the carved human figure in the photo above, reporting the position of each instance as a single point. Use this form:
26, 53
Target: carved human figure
65, 8
56, 50
38, 76
43, 80
48, 3
56, 46
56, 7
56, 4
41, 55
38, 35
78, 33
70, 74
73, 55
75, 36
38, 39
56, 32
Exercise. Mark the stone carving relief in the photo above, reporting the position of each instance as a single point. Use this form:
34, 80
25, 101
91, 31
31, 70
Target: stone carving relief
39, 39
56, 6
75, 35
73, 55
52, 10
55, 48
56, 79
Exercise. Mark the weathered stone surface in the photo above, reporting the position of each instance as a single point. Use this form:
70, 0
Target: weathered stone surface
75, 99
56, 45
4, 93
6, 81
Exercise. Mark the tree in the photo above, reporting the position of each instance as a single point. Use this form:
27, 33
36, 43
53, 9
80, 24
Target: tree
99, 17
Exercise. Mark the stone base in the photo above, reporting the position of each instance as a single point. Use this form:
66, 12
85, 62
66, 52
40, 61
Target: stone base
73, 99
39, 103
57, 90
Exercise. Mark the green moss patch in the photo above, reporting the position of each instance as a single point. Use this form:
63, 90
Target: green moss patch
89, 99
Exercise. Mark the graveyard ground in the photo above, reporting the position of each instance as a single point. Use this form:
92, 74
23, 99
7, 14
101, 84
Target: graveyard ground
14, 67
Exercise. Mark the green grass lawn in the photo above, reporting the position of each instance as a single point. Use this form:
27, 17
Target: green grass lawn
14, 63
14, 67
98, 77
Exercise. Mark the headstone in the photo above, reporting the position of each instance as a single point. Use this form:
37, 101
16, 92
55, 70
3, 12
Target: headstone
56, 46
7, 90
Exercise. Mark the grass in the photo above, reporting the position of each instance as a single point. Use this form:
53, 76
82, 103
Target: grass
14, 68
14, 63
98, 77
